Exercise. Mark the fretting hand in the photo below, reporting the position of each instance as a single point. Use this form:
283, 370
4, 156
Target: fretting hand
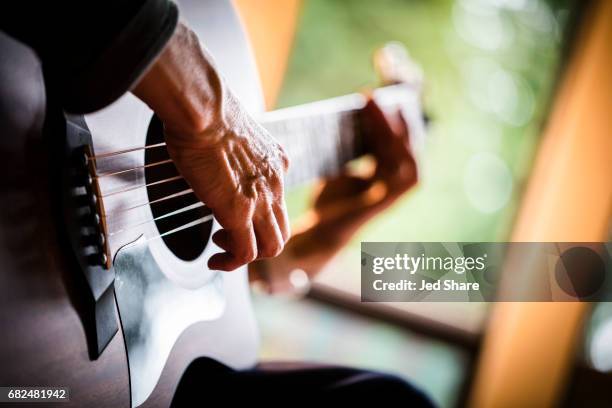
345, 203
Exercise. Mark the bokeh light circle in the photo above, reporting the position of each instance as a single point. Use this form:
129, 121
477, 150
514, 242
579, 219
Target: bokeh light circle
487, 182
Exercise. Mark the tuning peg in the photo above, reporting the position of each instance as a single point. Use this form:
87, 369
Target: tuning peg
394, 65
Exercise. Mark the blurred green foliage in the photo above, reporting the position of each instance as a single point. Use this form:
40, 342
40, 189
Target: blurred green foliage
332, 55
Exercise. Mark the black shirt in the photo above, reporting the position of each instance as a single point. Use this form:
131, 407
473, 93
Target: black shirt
92, 51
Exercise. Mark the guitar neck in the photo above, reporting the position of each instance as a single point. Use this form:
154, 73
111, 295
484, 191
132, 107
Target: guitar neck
321, 137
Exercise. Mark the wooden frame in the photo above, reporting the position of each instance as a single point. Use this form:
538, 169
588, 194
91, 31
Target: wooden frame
529, 348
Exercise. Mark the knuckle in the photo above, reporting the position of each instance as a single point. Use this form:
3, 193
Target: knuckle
287, 233
286, 161
283, 158
246, 255
240, 208
278, 249
271, 249
408, 178
278, 183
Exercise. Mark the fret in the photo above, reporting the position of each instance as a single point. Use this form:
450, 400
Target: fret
317, 146
318, 143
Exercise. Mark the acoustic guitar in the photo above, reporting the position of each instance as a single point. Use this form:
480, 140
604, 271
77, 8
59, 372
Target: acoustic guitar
104, 283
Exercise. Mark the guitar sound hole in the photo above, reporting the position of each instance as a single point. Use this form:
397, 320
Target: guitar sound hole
187, 244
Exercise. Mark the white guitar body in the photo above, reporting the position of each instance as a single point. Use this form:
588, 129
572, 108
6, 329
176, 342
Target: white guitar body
159, 295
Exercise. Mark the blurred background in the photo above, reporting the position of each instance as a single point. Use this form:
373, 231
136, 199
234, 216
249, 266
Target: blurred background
509, 87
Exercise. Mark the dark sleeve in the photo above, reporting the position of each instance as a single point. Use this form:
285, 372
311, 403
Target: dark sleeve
92, 51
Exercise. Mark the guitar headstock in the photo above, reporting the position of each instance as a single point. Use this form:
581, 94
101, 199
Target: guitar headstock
402, 80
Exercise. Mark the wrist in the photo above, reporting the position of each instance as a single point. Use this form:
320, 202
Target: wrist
183, 87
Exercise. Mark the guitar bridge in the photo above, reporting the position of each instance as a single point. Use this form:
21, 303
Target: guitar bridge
85, 227
99, 231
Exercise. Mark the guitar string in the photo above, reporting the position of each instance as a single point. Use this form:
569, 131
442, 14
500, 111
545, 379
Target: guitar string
124, 151
153, 183
175, 230
183, 227
164, 198
168, 197
166, 215
144, 166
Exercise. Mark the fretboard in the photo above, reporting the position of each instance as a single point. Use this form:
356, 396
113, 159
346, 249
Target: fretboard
318, 143
321, 137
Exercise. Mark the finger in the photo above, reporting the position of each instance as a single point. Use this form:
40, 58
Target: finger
284, 158
378, 134
393, 122
340, 189
397, 123
405, 129
282, 219
241, 249
376, 118
399, 148
221, 238
407, 143
223, 261
270, 240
